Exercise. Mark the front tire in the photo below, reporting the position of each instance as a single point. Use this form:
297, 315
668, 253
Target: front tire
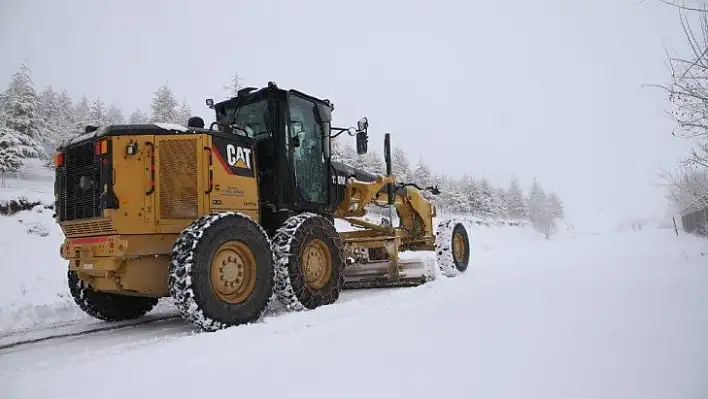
107, 306
221, 271
452, 248
309, 262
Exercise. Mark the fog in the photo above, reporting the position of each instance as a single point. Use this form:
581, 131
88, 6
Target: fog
548, 89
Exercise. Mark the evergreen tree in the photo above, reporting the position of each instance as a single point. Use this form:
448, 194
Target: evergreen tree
371, 162
400, 166
422, 176
50, 115
97, 112
556, 205
114, 116
502, 202
21, 115
487, 202
536, 201
48, 109
164, 106
474, 195
14, 149
235, 85
138, 117
183, 113
82, 112
63, 121
346, 153
515, 200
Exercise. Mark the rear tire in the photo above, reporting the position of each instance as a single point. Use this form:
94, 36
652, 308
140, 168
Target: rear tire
221, 271
309, 262
107, 306
452, 248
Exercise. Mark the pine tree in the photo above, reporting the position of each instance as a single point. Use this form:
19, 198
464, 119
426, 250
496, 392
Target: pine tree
48, 108
14, 149
114, 116
473, 192
400, 166
536, 201
371, 162
235, 85
50, 115
515, 200
164, 106
502, 203
21, 115
556, 205
346, 153
64, 122
183, 113
97, 112
422, 176
82, 112
138, 117
488, 206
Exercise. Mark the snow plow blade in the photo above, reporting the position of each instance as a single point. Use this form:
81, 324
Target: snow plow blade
385, 274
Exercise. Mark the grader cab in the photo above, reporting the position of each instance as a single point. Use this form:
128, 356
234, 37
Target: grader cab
221, 218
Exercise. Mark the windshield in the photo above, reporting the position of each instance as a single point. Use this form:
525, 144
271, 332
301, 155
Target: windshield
253, 117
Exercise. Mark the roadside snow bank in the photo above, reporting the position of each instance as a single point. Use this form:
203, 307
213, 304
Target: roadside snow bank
33, 289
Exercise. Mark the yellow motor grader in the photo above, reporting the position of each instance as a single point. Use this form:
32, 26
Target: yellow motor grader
222, 219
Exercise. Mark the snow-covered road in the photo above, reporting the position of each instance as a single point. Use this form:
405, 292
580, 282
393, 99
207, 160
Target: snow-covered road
610, 316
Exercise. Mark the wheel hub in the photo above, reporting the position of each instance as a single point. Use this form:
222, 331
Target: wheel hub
317, 264
233, 272
458, 247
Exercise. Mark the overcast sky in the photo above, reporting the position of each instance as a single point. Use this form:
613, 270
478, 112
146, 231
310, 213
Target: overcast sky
550, 89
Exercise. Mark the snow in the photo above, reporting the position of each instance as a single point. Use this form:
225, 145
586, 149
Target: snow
171, 126
617, 315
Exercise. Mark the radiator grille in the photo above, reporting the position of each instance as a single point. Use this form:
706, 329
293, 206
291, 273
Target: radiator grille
89, 228
79, 184
177, 169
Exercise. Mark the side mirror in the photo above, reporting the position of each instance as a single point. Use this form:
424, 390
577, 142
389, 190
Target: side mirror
362, 140
363, 124
210, 102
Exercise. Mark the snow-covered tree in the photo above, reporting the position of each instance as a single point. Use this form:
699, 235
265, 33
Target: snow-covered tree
371, 162
97, 112
138, 117
400, 165
422, 176
21, 113
15, 147
515, 200
64, 120
536, 201
343, 152
82, 114
235, 85
487, 202
502, 201
555, 205
164, 106
50, 112
114, 116
183, 113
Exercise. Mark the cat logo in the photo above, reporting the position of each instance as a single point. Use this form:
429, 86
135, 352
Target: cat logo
238, 156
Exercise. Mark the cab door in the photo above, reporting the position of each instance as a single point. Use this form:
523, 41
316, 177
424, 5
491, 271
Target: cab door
307, 153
